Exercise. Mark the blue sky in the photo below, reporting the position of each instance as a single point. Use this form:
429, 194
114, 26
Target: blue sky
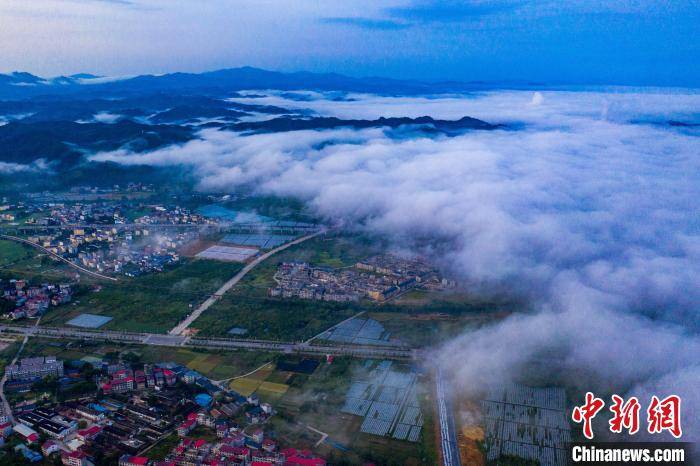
650, 42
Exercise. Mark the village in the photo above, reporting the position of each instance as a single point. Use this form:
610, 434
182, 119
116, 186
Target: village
111, 237
20, 299
378, 278
125, 409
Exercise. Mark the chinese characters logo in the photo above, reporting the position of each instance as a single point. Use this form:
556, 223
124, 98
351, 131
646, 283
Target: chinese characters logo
662, 415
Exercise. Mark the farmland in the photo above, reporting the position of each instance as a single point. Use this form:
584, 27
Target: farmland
150, 303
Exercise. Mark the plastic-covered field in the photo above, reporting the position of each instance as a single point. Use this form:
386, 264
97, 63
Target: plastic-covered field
89, 321
387, 399
228, 253
527, 422
262, 241
359, 331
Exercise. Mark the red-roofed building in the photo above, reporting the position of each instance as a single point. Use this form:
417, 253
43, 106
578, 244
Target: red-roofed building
185, 428
121, 381
304, 458
89, 433
27, 433
299, 461
127, 460
239, 453
169, 376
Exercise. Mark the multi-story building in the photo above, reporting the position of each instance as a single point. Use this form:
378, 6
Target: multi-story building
35, 367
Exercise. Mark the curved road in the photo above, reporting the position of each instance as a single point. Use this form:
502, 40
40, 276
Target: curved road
179, 328
56, 256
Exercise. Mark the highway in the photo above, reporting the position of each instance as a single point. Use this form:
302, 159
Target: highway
448, 434
179, 328
58, 257
358, 351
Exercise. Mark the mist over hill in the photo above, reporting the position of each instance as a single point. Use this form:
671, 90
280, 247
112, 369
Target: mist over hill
54, 123
585, 211
580, 202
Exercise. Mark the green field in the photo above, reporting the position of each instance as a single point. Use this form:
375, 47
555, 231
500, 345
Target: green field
25, 262
289, 320
150, 303
11, 252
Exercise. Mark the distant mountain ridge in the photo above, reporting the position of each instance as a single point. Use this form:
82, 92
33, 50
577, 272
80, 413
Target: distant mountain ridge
20, 85
56, 123
286, 123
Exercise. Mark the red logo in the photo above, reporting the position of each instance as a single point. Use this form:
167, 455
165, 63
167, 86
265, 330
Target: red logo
625, 415
587, 412
662, 415
665, 415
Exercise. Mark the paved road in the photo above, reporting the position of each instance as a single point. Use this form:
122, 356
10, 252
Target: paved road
156, 339
448, 434
7, 409
179, 328
56, 256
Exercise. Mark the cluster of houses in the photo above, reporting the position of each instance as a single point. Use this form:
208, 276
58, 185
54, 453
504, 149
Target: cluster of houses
174, 215
378, 278
96, 237
108, 249
32, 300
123, 379
231, 451
134, 409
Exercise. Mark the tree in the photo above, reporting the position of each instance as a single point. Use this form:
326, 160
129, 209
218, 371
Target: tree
6, 306
131, 358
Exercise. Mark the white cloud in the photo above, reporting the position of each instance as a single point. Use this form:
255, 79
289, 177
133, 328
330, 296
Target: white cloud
106, 117
7, 168
590, 216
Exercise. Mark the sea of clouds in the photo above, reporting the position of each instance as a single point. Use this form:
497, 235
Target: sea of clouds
586, 204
